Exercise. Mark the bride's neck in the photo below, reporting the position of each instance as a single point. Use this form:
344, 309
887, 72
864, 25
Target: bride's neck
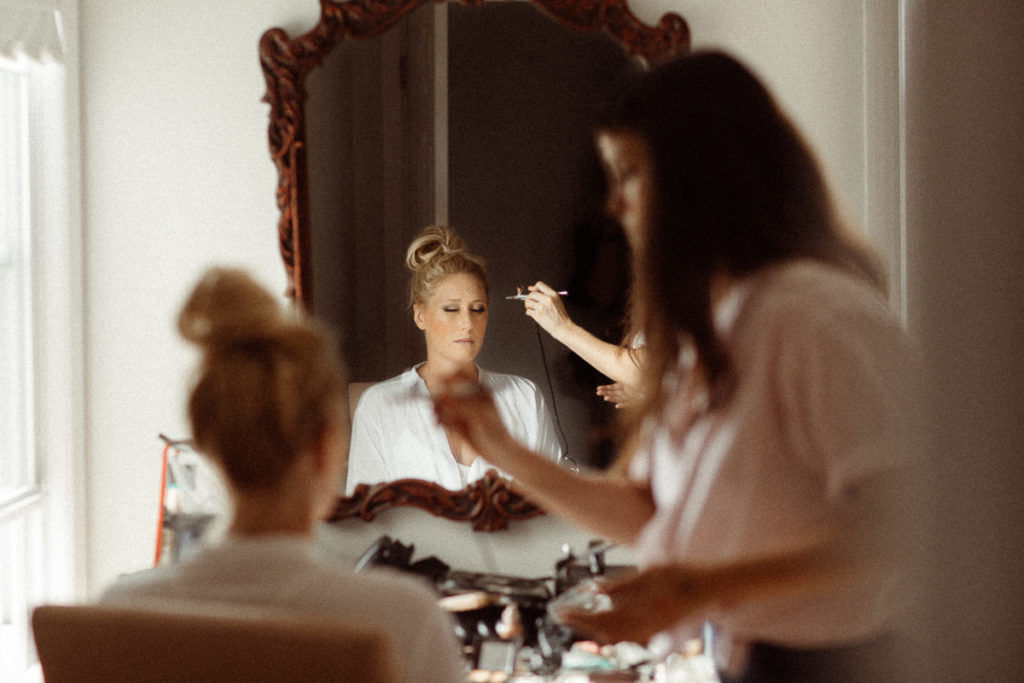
434, 373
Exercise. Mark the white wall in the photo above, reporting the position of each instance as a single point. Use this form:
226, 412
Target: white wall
177, 176
833, 66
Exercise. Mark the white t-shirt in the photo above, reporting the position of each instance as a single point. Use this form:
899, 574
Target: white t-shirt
283, 572
395, 434
821, 371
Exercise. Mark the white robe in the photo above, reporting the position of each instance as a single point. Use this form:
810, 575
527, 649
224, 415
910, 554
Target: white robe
395, 434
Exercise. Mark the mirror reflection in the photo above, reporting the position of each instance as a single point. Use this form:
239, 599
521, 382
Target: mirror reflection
477, 118
395, 434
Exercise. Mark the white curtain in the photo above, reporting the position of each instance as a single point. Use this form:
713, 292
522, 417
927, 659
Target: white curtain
39, 235
31, 30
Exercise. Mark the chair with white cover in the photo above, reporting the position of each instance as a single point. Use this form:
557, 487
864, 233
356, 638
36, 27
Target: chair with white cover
92, 643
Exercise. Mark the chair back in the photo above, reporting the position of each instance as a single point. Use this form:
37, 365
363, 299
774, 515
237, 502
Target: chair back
93, 643
355, 390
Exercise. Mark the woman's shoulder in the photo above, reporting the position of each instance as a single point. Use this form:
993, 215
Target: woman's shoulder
413, 590
388, 388
394, 596
143, 584
805, 308
814, 291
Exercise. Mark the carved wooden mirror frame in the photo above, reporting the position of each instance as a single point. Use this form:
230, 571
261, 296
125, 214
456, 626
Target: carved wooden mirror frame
488, 503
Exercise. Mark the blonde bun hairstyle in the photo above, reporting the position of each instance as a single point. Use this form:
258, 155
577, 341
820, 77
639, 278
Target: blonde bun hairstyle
436, 253
269, 383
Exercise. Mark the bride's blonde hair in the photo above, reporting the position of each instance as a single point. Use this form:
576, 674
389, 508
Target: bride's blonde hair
436, 253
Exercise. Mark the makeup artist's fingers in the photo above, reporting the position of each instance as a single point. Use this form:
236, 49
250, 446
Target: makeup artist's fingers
466, 406
545, 306
542, 287
619, 394
642, 605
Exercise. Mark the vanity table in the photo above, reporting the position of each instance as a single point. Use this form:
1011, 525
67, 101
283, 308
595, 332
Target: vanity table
526, 564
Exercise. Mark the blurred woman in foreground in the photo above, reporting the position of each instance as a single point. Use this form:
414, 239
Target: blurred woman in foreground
764, 459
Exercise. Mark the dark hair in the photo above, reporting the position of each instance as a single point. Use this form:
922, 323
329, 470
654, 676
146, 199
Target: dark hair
270, 381
737, 189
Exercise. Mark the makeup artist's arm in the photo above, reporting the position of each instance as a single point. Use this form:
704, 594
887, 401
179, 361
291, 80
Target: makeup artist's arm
609, 505
863, 545
662, 596
546, 308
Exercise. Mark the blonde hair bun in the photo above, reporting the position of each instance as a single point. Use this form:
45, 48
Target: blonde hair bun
270, 381
228, 306
435, 242
436, 252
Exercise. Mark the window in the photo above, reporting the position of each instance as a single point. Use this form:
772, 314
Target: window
39, 323
19, 504
18, 472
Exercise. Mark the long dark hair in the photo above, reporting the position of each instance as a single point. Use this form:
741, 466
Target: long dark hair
737, 189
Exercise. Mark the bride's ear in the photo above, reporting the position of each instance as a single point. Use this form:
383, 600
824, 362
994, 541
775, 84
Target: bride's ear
418, 317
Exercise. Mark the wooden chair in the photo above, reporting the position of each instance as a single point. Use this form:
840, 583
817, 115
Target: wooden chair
93, 643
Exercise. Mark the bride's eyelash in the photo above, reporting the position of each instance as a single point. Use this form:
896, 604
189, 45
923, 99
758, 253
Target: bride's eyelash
455, 309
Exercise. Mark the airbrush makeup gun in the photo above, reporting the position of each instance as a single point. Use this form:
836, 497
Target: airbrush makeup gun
523, 292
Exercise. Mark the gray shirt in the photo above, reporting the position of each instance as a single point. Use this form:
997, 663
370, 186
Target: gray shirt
284, 572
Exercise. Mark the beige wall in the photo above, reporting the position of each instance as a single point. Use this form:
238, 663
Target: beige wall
965, 226
176, 176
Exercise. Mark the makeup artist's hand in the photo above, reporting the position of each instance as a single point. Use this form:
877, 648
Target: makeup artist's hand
545, 306
643, 604
619, 394
466, 407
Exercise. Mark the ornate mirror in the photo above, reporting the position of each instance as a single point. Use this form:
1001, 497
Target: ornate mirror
321, 131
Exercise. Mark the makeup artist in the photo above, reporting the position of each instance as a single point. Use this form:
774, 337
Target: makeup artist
394, 431
763, 466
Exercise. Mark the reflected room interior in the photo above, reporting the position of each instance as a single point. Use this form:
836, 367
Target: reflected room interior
478, 118
388, 119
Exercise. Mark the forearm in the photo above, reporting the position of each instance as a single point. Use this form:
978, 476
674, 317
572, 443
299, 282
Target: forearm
661, 596
613, 507
609, 505
846, 557
611, 360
